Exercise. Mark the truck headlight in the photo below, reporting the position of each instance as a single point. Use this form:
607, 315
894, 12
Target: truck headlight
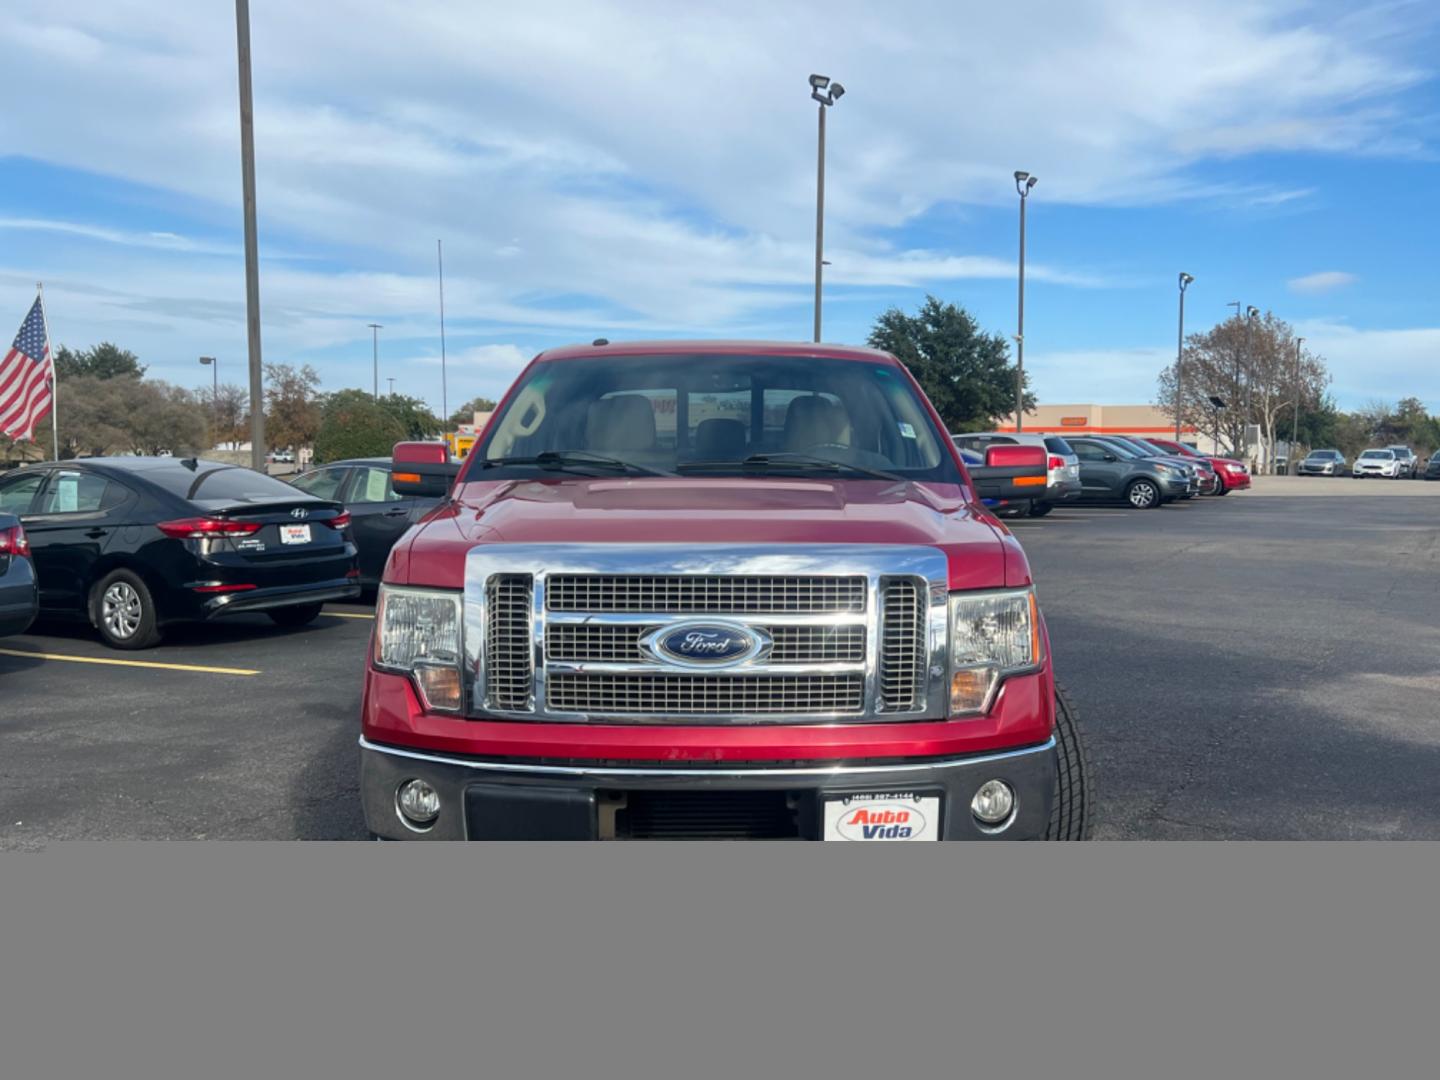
417, 633
992, 634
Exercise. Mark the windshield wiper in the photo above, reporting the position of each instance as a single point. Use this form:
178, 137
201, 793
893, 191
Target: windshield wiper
787, 460
570, 459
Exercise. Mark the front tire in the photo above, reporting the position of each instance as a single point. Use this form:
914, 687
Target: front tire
1040, 509
1142, 495
1070, 813
123, 610
299, 615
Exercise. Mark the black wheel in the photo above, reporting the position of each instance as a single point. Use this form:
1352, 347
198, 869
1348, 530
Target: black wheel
1040, 509
299, 615
1070, 814
1142, 494
123, 610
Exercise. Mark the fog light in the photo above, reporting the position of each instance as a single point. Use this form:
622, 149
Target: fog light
993, 803
419, 803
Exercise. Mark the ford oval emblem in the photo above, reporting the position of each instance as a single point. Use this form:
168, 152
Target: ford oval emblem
708, 644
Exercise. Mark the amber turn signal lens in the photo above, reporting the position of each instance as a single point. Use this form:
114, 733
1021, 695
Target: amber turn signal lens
440, 686
969, 688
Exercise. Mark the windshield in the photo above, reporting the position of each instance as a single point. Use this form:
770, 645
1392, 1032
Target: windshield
714, 415
1384, 455
1141, 447
1321, 455
1120, 449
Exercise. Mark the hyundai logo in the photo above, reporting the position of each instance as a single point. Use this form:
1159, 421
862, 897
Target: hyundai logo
708, 644
299, 512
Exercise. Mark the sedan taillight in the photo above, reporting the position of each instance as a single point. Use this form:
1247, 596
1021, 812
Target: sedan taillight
340, 520
202, 528
13, 541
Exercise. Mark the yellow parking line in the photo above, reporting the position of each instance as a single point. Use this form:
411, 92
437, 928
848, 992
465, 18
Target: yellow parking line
128, 663
348, 615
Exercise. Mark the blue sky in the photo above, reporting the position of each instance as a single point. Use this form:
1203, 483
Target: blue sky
646, 169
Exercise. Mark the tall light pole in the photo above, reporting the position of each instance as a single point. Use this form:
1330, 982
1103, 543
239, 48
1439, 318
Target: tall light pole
1235, 399
375, 329
826, 93
1185, 280
391, 380
252, 244
1291, 464
1250, 314
444, 382
1023, 183
214, 366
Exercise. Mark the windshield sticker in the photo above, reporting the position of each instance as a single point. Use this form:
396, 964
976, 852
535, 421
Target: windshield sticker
906, 430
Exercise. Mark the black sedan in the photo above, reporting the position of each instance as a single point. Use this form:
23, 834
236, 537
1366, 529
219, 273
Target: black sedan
134, 544
378, 516
1432, 471
17, 577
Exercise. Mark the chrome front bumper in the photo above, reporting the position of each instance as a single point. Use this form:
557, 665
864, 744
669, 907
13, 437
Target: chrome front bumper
495, 800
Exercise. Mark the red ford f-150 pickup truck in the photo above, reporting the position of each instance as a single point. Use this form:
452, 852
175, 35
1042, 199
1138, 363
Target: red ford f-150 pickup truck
710, 589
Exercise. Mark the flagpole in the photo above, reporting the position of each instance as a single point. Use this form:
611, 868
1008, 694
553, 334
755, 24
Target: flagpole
54, 375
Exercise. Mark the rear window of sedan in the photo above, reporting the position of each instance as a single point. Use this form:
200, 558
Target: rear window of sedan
221, 483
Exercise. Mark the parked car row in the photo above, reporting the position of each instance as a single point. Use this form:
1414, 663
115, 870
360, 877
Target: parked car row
1395, 462
1142, 473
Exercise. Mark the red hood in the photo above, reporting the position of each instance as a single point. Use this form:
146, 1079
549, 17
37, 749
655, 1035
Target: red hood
981, 552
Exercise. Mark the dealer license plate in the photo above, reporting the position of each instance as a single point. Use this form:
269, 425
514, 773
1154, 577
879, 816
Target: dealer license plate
882, 815
294, 534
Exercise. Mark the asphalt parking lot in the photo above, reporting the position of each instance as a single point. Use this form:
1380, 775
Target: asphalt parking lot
1259, 666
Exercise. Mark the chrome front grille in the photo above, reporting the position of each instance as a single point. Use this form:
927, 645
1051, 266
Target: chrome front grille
706, 695
681, 594
509, 670
903, 644
575, 633
607, 644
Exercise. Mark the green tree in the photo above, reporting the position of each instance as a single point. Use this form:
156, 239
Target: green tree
414, 416
292, 405
353, 424
126, 416
103, 361
966, 373
465, 414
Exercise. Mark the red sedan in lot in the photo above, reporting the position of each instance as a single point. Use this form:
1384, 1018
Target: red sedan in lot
1232, 474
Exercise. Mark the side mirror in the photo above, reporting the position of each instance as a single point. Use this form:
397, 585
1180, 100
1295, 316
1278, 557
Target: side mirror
1110, 457
423, 469
1011, 472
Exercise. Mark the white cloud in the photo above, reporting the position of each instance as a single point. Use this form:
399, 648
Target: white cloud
638, 166
1376, 363
1322, 282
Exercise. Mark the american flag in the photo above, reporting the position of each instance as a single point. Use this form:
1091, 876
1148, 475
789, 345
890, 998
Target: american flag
25, 374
